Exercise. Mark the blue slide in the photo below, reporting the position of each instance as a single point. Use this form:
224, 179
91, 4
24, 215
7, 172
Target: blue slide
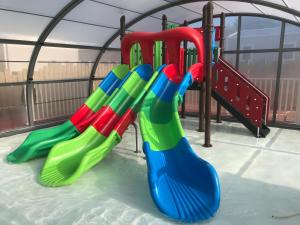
182, 185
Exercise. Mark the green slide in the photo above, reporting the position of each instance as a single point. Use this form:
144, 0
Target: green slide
68, 160
39, 142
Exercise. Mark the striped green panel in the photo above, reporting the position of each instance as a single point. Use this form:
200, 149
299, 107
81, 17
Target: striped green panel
156, 135
121, 70
134, 85
121, 102
95, 101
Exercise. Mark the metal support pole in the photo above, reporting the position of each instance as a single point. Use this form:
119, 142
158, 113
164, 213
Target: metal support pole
163, 49
222, 42
238, 43
136, 138
208, 65
29, 101
279, 67
122, 32
184, 71
201, 86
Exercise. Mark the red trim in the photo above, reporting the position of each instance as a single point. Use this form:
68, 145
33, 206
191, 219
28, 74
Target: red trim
82, 114
197, 72
172, 73
124, 122
218, 33
106, 121
172, 39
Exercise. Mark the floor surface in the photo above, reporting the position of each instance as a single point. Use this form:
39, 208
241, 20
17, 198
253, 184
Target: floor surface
260, 183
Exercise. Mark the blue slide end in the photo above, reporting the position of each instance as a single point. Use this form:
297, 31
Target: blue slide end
182, 185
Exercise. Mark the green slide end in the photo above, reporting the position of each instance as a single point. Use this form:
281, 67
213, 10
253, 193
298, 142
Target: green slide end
39, 142
69, 159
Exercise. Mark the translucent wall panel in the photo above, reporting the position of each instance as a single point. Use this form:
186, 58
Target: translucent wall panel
43, 7
81, 34
13, 113
51, 54
259, 33
148, 24
9, 52
13, 71
291, 38
231, 58
60, 71
96, 83
289, 93
139, 6
96, 13
56, 100
275, 12
111, 57
21, 26
198, 7
192, 101
178, 14
104, 68
231, 29
261, 69
238, 7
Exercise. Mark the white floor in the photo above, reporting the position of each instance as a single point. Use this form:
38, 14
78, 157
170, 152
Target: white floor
260, 181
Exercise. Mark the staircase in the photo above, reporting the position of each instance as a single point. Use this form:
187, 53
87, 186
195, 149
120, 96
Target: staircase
241, 98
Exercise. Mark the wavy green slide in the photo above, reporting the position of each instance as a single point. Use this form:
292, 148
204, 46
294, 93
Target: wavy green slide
39, 142
68, 160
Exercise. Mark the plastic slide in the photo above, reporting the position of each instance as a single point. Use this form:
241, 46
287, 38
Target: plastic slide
69, 159
39, 142
182, 185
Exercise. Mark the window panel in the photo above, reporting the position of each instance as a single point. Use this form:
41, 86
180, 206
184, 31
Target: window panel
43, 7
13, 112
259, 33
53, 54
139, 6
9, 52
289, 92
99, 14
61, 71
111, 56
81, 34
13, 72
104, 68
21, 26
261, 69
291, 37
231, 58
55, 100
231, 29
177, 14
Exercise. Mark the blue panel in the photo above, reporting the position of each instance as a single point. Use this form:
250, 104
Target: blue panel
164, 88
182, 185
145, 71
110, 82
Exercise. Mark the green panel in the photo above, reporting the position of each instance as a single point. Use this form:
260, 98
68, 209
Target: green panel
134, 86
65, 157
121, 102
95, 101
155, 135
121, 70
38, 142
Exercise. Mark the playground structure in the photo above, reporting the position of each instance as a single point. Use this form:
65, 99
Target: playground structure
98, 125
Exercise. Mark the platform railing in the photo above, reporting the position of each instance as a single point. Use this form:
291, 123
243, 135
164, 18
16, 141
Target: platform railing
241, 93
